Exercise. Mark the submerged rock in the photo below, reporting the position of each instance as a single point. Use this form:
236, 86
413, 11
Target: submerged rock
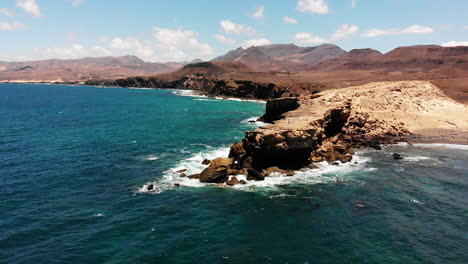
397, 156
233, 181
194, 176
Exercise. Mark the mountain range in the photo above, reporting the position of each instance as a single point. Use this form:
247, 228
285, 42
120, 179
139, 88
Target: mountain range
300, 69
83, 69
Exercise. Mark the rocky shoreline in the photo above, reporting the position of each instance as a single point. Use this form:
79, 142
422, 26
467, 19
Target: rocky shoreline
211, 86
331, 125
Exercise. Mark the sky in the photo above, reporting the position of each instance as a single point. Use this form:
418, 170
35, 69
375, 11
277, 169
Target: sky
184, 30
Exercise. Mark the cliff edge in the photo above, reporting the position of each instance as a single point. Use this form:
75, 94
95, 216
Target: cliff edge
328, 126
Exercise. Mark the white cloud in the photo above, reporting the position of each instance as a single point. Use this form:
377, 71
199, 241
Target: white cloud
289, 20
414, 29
313, 6
230, 27
259, 13
130, 45
256, 42
166, 45
76, 3
465, 27
74, 51
304, 38
353, 3
7, 12
343, 32
180, 44
225, 40
30, 7
7, 26
454, 43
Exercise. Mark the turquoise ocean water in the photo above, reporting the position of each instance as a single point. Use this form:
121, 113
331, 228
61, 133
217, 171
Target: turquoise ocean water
74, 162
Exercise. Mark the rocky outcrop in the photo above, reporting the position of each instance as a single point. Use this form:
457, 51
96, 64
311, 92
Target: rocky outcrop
275, 108
217, 171
328, 127
200, 82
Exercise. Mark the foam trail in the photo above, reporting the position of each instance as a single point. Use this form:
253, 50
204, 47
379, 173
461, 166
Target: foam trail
188, 93
325, 173
256, 123
440, 145
152, 157
192, 165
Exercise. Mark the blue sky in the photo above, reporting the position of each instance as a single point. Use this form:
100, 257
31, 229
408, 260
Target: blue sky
178, 30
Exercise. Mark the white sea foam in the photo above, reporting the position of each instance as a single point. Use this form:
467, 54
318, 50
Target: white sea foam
192, 165
255, 123
440, 145
325, 173
246, 100
189, 93
207, 100
152, 157
417, 158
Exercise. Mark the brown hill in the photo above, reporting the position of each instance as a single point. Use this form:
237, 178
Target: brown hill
81, 69
281, 57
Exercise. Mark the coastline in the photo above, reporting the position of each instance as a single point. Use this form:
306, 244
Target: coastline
331, 126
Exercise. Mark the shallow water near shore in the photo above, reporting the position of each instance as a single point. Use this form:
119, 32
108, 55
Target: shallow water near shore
73, 161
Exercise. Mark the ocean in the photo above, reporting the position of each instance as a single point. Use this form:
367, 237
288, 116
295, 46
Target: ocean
75, 160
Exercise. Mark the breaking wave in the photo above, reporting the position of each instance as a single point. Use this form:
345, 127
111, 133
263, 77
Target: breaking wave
326, 173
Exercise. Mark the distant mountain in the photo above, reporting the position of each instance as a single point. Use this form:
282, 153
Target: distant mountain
83, 69
420, 59
282, 57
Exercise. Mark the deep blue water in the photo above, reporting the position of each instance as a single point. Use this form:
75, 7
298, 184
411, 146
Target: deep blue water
73, 161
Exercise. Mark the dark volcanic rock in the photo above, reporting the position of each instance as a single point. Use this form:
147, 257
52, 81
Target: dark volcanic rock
255, 175
276, 107
397, 156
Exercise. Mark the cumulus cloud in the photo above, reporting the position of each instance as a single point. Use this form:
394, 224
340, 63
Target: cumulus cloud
454, 43
7, 12
30, 7
230, 27
414, 29
130, 45
256, 42
180, 44
74, 51
289, 20
165, 45
304, 38
76, 3
343, 32
11, 26
259, 13
313, 6
225, 40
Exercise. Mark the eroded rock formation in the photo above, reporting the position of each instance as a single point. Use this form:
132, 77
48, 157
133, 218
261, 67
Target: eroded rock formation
328, 127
